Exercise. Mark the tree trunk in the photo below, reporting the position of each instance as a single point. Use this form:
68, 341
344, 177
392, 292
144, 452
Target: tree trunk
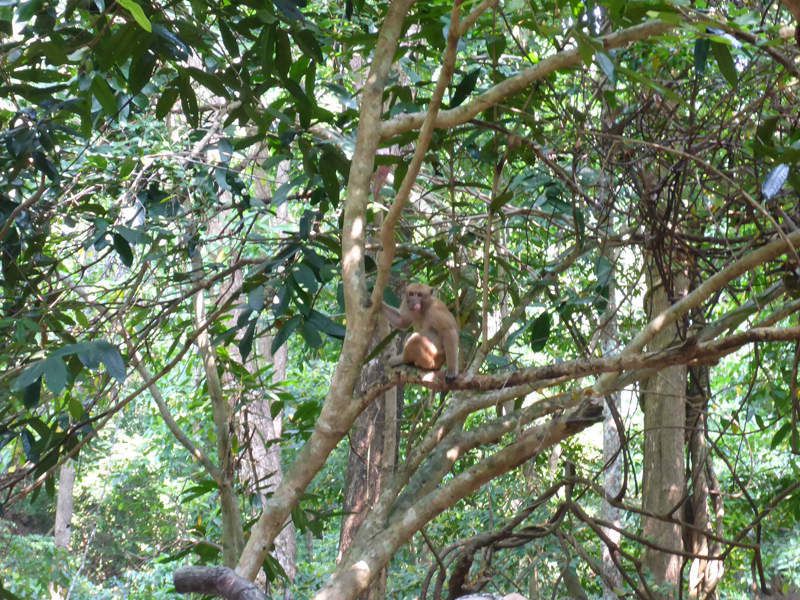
63, 523
232, 531
373, 448
612, 476
261, 470
609, 343
704, 574
664, 405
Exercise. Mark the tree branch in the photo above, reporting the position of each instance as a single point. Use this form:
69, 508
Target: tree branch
496, 94
386, 257
339, 411
215, 581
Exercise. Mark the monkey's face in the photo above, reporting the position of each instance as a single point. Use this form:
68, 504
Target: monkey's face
417, 297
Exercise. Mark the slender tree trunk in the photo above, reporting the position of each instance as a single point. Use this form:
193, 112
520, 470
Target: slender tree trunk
612, 459
664, 404
704, 574
232, 532
609, 343
260, 469
64, 505
63, 523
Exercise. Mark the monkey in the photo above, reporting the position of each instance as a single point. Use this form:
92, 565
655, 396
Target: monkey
435, 337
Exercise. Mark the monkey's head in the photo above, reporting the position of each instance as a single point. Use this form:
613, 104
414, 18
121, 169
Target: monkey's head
418, 297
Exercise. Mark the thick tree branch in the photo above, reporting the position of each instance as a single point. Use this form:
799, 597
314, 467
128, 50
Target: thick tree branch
690, 352
355, 574
431, 498
386, 257
215, 581
496, 94
339, 410
716, 282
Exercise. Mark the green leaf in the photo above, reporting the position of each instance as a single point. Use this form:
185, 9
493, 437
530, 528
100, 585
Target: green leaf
55, 374
166, 102
29, 446
701, 46
306, 414
607, 65
283, 53
169, 43
228, 39
112, 359
123, 248
500, 200
245, 344
284, 332
603, 270
766, 129
141, 71
266, 48
133, 236
32, 394
138, 14
273, 569
189, 101
308, 44
780, 435
212, 82
304, 276
327, 170
725, 61
326, 324
586, 47
126, 167
304, 104
495, 46
29, 375
255, 298
105, 95
26, 10
44, 165
76, 410
540, 331
310, 334
464, 87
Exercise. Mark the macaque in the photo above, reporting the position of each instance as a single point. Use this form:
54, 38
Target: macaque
435, 337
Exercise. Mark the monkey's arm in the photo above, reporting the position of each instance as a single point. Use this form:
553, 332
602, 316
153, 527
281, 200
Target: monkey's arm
396, 317
449, 337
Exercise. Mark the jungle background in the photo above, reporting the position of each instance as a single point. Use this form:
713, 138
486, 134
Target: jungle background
203, 205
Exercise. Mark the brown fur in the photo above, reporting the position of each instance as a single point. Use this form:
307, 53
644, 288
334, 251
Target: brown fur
435, 337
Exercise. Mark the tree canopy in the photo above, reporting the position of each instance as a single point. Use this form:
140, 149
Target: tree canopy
605, 195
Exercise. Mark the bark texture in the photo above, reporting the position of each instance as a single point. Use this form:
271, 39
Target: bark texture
664, 404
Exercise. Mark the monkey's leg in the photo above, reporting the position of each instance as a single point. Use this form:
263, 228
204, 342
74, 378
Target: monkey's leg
422, 353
